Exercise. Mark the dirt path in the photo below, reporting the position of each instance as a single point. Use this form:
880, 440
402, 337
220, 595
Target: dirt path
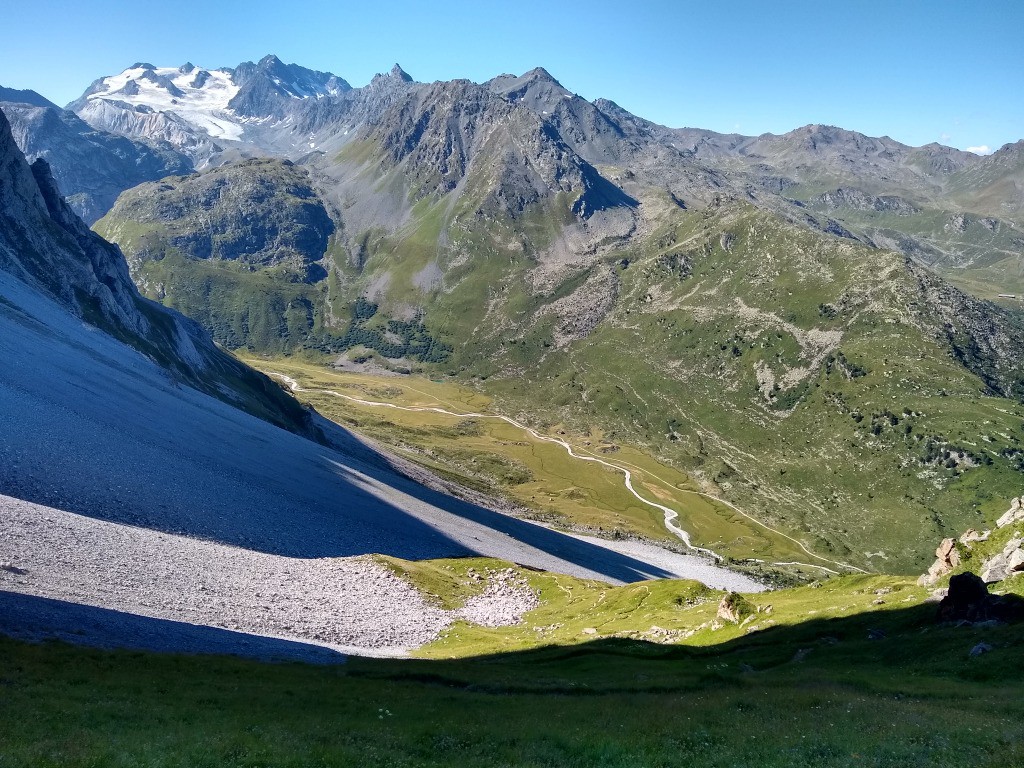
670, 515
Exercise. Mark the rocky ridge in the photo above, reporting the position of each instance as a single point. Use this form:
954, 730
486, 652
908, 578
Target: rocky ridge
44, 244
90, 166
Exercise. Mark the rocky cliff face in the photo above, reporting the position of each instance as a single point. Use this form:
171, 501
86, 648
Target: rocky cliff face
43, 243
91, 167
440, 134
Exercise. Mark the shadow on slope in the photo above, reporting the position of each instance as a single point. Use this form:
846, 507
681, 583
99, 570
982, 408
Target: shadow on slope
893, 650
602, 562
916, 699
32, 618
89, 426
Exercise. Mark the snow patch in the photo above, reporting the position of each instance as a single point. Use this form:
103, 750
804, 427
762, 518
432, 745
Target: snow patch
204, 107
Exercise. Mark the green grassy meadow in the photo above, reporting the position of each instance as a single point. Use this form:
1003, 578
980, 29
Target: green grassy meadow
498, 458
817, 693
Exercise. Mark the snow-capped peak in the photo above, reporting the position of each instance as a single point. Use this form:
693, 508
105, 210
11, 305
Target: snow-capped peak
198, 96
199, 109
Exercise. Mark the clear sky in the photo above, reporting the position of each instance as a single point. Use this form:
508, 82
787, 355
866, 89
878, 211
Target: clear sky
943, 70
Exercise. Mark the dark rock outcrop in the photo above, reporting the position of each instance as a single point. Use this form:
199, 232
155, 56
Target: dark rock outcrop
968, 600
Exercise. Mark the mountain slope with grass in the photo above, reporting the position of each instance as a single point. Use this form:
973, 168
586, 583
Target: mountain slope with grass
510, 235
642, 674
240, 248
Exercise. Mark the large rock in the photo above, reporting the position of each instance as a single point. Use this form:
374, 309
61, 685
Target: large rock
734, 608
1007, 563
946, 559
1014, 514
968, 600
971, 535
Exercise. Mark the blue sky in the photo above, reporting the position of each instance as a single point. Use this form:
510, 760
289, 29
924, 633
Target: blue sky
917, 71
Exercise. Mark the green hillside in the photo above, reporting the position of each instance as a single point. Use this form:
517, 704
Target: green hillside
830, 389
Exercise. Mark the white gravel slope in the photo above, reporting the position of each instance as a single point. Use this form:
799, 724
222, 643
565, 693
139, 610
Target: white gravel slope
348, 604
351, 604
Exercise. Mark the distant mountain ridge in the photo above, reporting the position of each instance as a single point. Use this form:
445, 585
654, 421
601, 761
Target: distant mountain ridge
31, 98
200, 110
284, 110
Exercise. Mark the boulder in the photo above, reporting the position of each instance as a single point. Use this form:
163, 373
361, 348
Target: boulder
1006, 563
966, 599
994, 569
972, 535
1014, 514
979, 649
734, 608
946, 559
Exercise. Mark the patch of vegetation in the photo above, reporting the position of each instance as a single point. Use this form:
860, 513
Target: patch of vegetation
487, 454
395, 339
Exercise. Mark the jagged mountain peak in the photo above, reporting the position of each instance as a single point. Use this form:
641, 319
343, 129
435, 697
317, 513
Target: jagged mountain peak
607, 105
395, 75
291, 79
535, 86
539, 73
1014, 147
269, 61
271, 89
400, 74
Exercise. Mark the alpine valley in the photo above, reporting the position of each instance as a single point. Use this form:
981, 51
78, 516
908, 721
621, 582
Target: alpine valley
305, 371
776, 316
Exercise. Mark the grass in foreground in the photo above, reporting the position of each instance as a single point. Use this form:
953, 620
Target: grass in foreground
574, 611
819, 693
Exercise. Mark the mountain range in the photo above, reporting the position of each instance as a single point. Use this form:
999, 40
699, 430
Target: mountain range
777, 315
122, 413
623, 433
